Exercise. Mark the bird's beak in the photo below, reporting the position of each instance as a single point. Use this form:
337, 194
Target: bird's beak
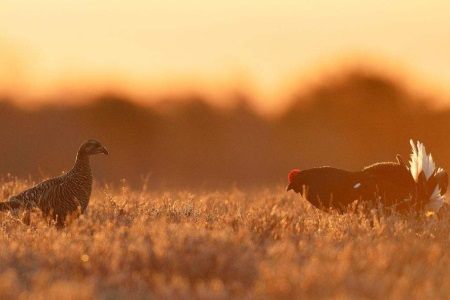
289, 187
104, 151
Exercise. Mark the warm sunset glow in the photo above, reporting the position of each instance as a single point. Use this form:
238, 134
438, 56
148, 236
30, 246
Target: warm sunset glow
265, 48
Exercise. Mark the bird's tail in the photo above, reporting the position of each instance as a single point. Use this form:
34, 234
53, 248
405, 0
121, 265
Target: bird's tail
6, 206
421, 163
431, 182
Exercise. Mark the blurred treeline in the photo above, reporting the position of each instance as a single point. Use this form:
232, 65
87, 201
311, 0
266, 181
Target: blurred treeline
348, 122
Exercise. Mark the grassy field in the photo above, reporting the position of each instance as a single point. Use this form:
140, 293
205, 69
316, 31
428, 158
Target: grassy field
252, 244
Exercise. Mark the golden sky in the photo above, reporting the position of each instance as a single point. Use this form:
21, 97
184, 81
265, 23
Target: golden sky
265, 47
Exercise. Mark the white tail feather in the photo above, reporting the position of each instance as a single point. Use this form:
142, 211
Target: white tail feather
436, 201
420, 161
414, 162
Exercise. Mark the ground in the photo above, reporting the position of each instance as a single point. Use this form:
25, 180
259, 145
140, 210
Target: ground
241, 244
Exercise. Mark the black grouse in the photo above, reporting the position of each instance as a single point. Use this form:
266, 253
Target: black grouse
393, 184
63, 197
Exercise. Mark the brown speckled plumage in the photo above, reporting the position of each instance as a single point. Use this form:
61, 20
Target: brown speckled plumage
61, 197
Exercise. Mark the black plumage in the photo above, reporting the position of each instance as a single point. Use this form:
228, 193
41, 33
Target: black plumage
326, 187
392, 184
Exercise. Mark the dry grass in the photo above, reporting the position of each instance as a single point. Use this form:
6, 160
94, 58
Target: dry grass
265, 244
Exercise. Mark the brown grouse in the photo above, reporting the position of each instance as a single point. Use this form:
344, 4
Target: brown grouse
63, 197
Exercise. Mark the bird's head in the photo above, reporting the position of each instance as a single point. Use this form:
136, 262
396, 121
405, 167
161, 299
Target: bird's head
91, 147
293, 183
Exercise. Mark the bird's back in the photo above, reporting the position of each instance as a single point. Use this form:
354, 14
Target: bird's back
391, 183
330, 187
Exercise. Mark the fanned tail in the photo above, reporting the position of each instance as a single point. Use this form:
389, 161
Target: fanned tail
431, 182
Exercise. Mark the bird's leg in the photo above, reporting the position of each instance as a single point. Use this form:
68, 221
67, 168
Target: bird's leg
15, 212
26, 217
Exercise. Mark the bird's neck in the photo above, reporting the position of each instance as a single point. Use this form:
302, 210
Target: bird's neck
82, 163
